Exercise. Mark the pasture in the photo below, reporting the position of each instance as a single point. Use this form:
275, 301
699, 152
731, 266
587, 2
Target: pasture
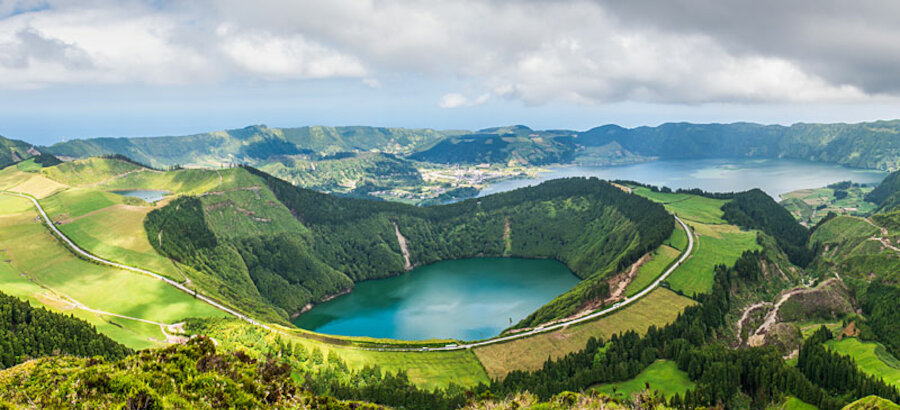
658, 308
662, 376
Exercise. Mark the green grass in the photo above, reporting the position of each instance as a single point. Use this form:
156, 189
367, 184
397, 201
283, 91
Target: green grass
75, 202
802, 203
662, 375
793, 403
425, 369
842, 228
88, 171
117, 233
658, 308
716, 244
28, 165
871, 357
689, 207
660, 259
678, 239
33, 251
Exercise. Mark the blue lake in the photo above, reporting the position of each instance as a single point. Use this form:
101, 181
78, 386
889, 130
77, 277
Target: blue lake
466, 299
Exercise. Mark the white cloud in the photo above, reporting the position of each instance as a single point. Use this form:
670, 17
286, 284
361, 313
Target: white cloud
581, 51
457, 100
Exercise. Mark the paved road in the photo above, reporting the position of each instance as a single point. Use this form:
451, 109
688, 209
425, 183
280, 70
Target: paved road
594, 315
90, 256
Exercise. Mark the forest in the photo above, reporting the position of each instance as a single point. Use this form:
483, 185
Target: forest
591, 226
27, 332
755, 210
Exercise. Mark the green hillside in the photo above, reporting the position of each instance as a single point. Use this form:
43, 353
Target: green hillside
862, 145
12, 151
249, 145
276, 245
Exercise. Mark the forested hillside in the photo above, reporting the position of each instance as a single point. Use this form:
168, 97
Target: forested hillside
756, 210
319, 245
12, 151
249, 145
531, 149
863, 145
27, 332
887, 194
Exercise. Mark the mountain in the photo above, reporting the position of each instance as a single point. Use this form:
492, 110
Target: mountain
863, 145
887, 194
277, 247
249, 145
12, 151
513, 145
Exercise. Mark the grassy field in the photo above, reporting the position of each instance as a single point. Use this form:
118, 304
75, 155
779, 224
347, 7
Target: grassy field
88, 171
716, 241
39, 186
117, 233
804, 204
715, 244
793, 403
661, 375
658, 308
689, 207
871, 357
660, 259
32, 253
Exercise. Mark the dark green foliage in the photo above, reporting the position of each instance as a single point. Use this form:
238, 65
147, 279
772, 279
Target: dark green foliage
863, 145
27, 332
193, 375
12, 151
841, 185
46, 160
588, 224
839, 374
499, 148
756, 210
887, 194
881, 304
734, 378
840, 194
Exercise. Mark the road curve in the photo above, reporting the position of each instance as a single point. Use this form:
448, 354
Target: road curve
449, 347
100, 260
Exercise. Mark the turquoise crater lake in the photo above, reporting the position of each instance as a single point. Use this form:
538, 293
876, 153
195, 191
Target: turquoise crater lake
465, 299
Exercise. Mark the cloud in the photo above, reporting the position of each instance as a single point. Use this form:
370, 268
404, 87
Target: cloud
581, 51
457, 100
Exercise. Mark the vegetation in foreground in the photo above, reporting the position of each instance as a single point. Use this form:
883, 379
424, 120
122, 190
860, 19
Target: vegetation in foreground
27, 332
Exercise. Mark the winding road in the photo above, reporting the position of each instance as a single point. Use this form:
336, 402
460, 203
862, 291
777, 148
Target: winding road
619, 305
89, 256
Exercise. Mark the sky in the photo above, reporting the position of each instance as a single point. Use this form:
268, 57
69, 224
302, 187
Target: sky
91, 68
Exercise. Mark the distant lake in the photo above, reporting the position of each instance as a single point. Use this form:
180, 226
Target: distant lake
147, 195
774, 176
465, 299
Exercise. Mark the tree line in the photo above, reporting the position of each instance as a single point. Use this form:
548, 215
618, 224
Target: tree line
27, 332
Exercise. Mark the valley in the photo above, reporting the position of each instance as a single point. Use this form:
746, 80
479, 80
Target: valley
153, 256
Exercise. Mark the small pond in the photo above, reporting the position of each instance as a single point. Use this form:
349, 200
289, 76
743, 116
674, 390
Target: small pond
150, 196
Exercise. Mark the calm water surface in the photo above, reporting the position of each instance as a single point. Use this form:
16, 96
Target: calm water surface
147, 195
775, 176
466, 299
